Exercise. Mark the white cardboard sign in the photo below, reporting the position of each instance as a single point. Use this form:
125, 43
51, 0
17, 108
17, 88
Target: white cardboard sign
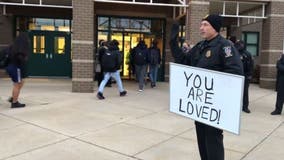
210, 97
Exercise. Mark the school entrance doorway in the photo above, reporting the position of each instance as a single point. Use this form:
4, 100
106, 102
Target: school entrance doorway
50, 54
128, 32
50, 41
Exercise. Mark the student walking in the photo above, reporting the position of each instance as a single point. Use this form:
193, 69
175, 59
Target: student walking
111, 61
154, 62
16, 68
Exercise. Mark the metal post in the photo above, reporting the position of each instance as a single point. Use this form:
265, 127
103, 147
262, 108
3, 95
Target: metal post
238, 8
224, 8
263, 10
174, 13
4, 10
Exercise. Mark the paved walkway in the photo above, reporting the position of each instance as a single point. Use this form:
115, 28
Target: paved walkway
60, 125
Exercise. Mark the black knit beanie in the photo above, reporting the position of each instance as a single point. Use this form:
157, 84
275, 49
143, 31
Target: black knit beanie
215, 21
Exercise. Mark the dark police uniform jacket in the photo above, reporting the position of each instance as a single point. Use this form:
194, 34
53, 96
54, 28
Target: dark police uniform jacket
217, 54
280, 75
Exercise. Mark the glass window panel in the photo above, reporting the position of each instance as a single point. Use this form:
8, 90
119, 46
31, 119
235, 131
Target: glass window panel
103, 23
38, 44
49, 24
252, 49
59, 45
44, 21
63, 29
59, 22
32, 1
66, 22
252, 38
102, 36
47, 28
134, 25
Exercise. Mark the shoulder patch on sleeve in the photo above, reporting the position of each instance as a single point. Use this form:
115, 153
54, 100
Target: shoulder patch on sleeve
228, 51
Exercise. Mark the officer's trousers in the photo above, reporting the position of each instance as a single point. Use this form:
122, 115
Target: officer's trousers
246, 94
280, 99
210, 142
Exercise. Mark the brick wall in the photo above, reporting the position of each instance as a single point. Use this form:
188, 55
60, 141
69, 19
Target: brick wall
82, 46
6, 34
272, 43
197, 10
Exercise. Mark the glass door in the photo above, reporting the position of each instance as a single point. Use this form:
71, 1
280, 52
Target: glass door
127, 41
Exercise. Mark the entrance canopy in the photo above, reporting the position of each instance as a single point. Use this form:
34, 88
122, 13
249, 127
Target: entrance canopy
179, 3
38, 3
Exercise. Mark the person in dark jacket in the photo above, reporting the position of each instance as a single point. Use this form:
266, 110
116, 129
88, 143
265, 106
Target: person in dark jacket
16, 68
248, 69
139, 57
279, 86
116, 59
213, 53
100, 73
154, 62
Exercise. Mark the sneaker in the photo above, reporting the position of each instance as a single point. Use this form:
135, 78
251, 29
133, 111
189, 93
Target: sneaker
275, 112
100, 95
10, 100
123, 93
17, 105
246, 110
140, 90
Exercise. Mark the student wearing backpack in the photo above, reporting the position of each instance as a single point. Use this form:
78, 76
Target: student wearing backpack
100, 71
16, 67
140, 60
154, 62
111, 61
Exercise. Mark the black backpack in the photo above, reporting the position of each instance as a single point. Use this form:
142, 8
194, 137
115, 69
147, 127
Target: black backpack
139, 57
4, 57
154, 56
109, 61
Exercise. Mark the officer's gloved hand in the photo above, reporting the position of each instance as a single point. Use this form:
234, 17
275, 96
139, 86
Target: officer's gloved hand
174, 30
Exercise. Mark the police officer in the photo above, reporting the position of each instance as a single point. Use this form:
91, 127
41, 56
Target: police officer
248, 69
279, 86
213, 53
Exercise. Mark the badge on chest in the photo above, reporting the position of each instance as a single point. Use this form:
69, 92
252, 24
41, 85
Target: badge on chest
208, 54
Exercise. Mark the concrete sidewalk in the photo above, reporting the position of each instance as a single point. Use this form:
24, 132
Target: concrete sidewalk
60, 125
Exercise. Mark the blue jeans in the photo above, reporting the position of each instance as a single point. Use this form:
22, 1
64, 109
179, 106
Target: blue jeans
107, 76
154, 73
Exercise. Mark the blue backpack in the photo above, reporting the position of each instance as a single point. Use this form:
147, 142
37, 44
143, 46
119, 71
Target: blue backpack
5, 57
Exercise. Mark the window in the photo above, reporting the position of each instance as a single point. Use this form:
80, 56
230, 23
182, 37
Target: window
59, 45
252, 42
38, 44
46, 24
